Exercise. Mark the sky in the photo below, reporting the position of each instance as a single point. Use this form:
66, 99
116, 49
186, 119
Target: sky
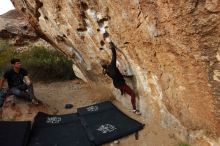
5, 6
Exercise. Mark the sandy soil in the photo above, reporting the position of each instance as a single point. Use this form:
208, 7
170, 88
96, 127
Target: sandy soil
56, 95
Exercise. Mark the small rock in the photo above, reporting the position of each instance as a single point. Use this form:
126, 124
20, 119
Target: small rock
68, 106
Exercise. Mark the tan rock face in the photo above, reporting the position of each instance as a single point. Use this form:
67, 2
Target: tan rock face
170, 48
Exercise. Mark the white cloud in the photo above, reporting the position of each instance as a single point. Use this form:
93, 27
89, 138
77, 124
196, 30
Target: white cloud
5, 6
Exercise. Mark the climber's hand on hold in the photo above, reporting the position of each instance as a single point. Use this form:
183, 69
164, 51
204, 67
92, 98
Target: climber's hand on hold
108, 40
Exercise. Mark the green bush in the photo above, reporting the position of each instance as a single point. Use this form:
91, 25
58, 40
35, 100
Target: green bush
42, 64
5, 55
183, 144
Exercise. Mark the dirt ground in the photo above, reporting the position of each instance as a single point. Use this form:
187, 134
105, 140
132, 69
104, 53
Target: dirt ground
75, 92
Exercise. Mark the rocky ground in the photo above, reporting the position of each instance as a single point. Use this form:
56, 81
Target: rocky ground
56, 95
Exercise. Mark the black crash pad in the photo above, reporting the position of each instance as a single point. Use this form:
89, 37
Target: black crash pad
104, 122
63, 130
14, 133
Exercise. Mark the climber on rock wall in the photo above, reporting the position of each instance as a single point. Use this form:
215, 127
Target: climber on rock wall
113, 72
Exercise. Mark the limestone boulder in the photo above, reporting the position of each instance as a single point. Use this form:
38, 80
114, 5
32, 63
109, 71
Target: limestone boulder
169, 50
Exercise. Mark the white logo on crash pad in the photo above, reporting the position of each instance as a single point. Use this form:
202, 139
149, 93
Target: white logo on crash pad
92, 108
106, 128
53, 120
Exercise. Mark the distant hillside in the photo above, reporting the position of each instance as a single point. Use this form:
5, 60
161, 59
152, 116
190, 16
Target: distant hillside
14, 26
12, 14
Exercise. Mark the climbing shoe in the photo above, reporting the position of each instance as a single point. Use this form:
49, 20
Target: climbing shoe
137, 112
